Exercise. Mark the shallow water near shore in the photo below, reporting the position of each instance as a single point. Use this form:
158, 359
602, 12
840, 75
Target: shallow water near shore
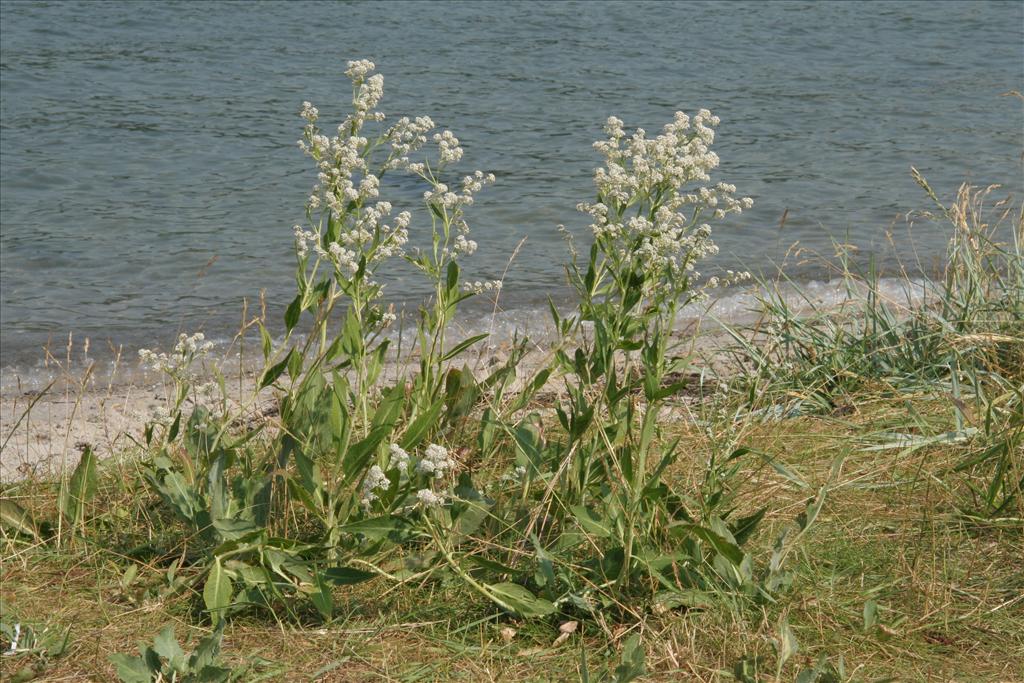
150, 173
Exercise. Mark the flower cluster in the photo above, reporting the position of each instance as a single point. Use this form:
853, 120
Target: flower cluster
731, 278
451, 205
347, 188
187, 349
399, 459
405, 137
479, 287
653, 174
436, 461
448, 145
443, 198
429, 499
347, 192
375, 479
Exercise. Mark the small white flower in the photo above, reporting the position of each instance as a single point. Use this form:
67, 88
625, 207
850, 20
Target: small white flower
479, 287
375, 479
309, 112
399, 458
359, 68
428, 498
448, 145
435, 461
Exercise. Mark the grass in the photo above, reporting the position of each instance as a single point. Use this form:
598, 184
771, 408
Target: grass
949, 591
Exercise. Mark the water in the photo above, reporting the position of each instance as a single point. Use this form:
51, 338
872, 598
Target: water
150, 174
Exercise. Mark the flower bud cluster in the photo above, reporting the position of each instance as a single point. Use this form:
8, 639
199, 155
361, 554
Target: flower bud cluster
479, 287
399, 459
405, 137
435, 463
346, 186
429, 499
443, 198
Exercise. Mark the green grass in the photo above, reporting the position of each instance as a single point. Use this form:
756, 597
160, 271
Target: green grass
948, 589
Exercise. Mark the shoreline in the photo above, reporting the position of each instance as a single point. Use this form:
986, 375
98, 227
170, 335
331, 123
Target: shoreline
45, 431
44, 428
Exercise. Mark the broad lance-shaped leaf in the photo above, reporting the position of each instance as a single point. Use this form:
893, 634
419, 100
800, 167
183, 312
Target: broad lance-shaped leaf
463, 345
519, 600
722, 546
632, 664
346, 576
322, 599
591, 522
166, 645
208, 649
217, 591
131, 669
16, 517
377, 528
81, 488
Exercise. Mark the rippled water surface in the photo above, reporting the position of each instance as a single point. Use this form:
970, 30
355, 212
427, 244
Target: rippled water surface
150, 174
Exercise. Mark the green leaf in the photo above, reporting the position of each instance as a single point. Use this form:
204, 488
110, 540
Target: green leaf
321, 598
632, 663
377, 528
745, 526
685, 597
131, 669
81, 488
491, 565
590, 522
810, 514
357, 457
470, 519
462, 346
416, 431
346, 576
515, 598
294, 364
17, 518
266, 342
271, 374
292, 313
786, 645
231, 529
166, 645
217, 591
870, 615
208, 648
723, 547
452, 279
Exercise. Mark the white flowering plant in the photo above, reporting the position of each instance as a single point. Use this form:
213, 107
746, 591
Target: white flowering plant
357, 456
651, 228
373, 467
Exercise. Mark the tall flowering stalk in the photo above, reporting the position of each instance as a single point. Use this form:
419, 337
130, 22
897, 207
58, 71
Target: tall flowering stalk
351, 233
339, 425
651, 228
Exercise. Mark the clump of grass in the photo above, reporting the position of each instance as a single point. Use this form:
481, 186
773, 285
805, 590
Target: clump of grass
957, 339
